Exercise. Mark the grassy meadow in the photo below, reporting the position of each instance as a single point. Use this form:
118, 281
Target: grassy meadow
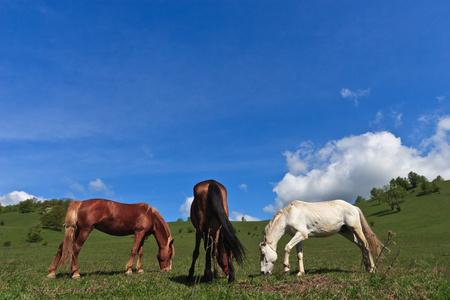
416, 268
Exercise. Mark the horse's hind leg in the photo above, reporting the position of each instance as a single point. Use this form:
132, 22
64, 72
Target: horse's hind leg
54, 265
207, 275
198, 238
356, 236
215, 254
138, 237
79, 241
138, 263
301, 269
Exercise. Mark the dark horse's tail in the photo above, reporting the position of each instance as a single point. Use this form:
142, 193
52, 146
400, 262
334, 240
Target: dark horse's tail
228, 236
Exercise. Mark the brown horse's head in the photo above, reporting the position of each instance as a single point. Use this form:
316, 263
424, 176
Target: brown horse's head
165, 255
222, 259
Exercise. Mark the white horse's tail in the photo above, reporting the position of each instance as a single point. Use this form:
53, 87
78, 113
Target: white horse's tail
374, 244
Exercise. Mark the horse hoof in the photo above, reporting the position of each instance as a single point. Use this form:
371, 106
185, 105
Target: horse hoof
300, 274
51, 276
77, 276
128, 273
140, 271
287, 272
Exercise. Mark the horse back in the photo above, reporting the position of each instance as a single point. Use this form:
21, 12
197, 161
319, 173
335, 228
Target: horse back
200, 208
321, 218
113, 217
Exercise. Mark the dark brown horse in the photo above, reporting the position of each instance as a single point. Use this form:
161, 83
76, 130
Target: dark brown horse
209, 215
115, 219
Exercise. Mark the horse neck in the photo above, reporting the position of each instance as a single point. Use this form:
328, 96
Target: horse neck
160, 230
275, 230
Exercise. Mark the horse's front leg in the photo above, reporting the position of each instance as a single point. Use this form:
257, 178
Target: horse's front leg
138, 237
297, 238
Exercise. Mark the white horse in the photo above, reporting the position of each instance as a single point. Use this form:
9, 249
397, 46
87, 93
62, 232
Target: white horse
303, 220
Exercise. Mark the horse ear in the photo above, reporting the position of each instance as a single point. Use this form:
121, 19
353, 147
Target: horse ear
171, 246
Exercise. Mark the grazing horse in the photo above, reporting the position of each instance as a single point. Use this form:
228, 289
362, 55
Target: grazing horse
115, 219
303, 220
209, 215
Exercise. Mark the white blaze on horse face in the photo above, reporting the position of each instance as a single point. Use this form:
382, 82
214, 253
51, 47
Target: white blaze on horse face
268, 258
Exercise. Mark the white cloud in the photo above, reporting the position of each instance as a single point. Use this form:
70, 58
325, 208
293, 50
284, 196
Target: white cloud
15, 197
354, 95
354, 165
185, 208
243, 187
393, 117
441, 99
97, 186
238, 217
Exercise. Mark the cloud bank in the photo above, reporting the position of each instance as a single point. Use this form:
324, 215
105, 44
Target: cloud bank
354, 165
237, 216
15, 197
185, 208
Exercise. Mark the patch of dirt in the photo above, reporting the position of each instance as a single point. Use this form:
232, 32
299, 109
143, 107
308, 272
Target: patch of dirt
298, 287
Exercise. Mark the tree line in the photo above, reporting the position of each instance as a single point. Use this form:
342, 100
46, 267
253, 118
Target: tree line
53, 212
398, 188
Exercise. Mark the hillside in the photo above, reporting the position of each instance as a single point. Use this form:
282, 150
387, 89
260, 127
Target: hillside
333, 265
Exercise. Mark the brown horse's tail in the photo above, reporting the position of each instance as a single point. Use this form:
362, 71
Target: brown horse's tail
374, 244
228, 236
69, 237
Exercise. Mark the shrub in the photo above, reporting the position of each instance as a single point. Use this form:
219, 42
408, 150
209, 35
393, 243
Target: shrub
7, 243
34, 235
2, 222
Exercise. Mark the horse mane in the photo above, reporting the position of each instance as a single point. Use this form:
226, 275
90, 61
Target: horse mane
161, 220
273, 221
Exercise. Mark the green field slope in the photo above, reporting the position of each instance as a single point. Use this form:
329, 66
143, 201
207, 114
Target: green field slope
416, 268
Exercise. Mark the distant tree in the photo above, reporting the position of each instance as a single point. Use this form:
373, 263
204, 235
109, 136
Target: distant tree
394, 195
360, 199
54, 217
27, 206
377, 194
180, 220
429, 187
399, 181
439, 178
243, 219
415, 180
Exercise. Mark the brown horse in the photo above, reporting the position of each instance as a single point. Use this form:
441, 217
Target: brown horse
209, 215
115, 219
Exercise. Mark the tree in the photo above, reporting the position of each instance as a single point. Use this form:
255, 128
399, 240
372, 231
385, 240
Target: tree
394, 195
54, 217
360, 199
415, 180
377, 194
27, 206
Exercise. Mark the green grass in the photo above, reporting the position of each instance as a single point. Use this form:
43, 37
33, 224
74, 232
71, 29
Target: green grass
333, 265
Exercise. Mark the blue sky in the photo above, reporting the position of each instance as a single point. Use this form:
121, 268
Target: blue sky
137, 101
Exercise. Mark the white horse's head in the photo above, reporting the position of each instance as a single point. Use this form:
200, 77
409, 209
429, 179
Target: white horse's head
268, 258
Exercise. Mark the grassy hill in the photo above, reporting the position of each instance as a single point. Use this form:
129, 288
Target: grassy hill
333, 265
